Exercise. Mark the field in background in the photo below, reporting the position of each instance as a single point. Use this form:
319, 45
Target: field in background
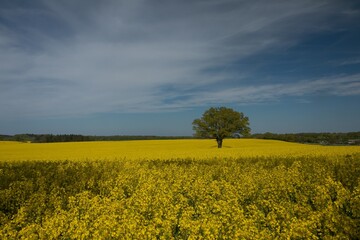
164, 149
179, 189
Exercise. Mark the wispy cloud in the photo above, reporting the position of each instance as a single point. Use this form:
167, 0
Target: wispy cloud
63, 58
349, 62
331, 86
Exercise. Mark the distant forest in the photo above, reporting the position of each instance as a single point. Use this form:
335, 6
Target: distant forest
350, 138
48, 138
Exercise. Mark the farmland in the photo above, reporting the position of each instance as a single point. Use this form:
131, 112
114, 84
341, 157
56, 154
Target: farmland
164, 149
179, 189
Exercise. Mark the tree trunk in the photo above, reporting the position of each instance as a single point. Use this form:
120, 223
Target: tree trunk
219, 142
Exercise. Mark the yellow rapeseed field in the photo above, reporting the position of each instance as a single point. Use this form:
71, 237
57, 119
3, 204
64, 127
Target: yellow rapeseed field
179, 189
165, 149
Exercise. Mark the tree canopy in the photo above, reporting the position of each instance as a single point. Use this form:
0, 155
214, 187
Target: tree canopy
221, 122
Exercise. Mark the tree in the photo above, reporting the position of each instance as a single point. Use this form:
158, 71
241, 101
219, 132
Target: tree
221, 122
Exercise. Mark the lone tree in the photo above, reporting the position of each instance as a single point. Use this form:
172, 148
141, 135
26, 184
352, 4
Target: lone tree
221, 122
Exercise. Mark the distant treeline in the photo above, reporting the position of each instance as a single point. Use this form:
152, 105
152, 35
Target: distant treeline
48, 138
350, 138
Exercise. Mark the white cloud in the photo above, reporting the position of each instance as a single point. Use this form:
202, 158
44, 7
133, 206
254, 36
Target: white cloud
250, 94
349, 62
120, 55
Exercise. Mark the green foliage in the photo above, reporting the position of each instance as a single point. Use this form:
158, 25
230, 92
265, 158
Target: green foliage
350, 138
220, 123
49, 138
253, 198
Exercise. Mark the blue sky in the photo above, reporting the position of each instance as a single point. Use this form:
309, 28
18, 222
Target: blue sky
152, 67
